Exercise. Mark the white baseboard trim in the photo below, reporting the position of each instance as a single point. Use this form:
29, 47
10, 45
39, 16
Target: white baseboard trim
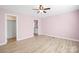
3, 43
24, 38
43, 34
63, 37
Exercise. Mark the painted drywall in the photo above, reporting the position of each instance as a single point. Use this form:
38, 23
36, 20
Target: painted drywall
39, 27
65, 25
11, 29
25, 26
2, 29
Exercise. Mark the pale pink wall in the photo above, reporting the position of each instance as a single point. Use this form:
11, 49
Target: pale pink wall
39, 27
64, 25
2, 29
25, 25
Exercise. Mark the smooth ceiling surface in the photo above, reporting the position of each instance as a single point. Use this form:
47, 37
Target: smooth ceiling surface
27, 9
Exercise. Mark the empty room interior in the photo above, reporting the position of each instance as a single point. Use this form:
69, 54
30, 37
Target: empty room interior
39, 28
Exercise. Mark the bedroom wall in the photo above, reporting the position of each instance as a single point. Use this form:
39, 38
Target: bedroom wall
25, 26
65, 25
2, 29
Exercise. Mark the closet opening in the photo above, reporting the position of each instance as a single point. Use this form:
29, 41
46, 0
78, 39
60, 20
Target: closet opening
11, 28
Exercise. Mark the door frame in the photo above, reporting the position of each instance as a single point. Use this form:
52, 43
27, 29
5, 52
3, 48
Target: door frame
6, 26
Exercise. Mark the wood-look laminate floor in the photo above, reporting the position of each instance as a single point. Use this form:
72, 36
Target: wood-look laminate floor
41, 44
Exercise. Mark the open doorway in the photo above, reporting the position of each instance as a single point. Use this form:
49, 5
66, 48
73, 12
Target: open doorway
11, 28
35, 27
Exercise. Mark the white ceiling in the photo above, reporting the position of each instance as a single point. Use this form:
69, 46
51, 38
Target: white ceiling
27, 9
